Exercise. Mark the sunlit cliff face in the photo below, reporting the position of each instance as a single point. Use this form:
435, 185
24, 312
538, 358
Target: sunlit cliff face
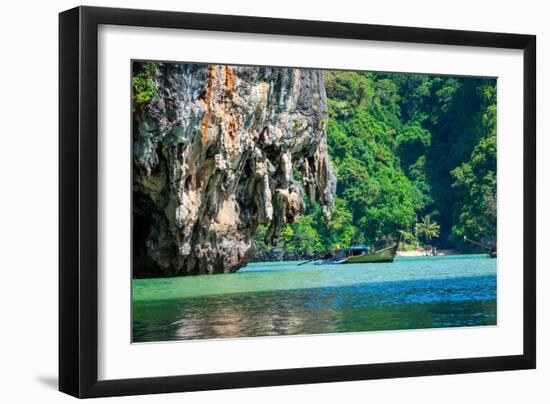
218, 151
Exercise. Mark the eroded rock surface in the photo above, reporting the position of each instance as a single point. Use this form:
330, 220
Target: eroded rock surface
218, 151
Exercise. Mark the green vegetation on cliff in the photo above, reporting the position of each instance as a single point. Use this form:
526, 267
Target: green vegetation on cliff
405, 147
143, 86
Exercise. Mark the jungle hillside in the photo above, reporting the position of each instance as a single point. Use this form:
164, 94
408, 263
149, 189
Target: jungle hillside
414, 155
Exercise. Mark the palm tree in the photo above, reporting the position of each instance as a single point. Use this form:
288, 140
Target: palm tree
427, 228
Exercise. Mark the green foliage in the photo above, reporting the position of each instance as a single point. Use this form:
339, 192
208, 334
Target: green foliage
260, 246
409, 241
303, 237
457, 126
363, 135
427, 229
143, 85
412, 142
405, 146
340, 230
475, 183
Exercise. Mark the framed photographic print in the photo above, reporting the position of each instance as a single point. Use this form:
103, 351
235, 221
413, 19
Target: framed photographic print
250, 201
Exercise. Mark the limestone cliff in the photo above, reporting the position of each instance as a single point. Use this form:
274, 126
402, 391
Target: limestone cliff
217, 151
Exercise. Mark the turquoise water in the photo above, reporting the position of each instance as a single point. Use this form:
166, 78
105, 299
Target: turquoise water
282, 298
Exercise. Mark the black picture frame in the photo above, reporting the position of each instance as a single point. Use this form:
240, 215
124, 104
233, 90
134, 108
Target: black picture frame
78, 201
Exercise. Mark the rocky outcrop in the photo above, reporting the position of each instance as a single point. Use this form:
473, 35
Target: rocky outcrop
217, 151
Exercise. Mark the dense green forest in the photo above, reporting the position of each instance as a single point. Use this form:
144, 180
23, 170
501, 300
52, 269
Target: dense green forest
408, 149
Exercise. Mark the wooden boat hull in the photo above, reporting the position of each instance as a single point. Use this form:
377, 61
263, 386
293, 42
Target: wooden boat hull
384, 255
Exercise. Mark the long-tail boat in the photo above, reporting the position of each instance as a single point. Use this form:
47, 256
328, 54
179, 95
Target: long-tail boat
359, 254
491, 250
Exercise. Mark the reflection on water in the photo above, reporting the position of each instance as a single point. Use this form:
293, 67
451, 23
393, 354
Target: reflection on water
266, 299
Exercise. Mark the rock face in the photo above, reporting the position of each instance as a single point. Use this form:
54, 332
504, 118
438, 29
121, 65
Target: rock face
218, 151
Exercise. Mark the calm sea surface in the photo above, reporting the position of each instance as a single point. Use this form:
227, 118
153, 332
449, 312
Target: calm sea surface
285, 299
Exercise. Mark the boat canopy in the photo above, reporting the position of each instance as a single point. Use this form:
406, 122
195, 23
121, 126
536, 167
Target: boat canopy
360, 247
351, 251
